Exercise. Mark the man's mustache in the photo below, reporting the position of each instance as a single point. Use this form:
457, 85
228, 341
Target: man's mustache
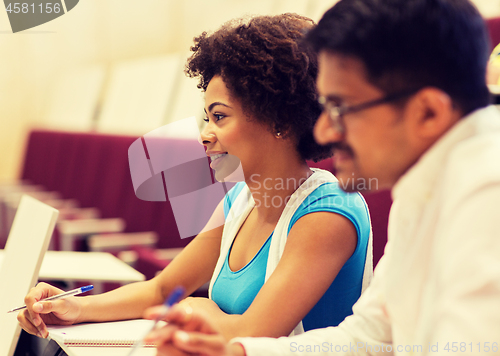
340, 146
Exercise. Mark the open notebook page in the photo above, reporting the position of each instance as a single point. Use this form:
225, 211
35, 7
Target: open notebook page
115, 333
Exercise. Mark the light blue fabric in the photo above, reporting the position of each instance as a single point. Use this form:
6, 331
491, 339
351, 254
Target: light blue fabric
235, 291
336, 304
231, 196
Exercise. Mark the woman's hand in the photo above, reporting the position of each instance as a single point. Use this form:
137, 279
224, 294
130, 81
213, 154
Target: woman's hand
189, 332
37, 315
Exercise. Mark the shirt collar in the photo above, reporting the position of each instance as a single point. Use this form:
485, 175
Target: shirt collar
418, 181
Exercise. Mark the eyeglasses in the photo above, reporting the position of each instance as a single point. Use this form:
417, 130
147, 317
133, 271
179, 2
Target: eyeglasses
336, 111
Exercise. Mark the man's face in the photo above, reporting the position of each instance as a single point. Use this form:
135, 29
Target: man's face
372, 151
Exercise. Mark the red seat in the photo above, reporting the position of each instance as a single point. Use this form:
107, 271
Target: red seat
94, 169
379, 203
493, 26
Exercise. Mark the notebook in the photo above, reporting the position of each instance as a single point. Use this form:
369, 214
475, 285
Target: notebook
26, 245
114, 333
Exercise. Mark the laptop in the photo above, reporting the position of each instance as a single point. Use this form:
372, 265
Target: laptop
26, 245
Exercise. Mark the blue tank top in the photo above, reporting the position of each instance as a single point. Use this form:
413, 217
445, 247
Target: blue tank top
234, 291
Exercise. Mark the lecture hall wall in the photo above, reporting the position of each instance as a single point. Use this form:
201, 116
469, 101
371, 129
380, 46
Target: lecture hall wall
104, 32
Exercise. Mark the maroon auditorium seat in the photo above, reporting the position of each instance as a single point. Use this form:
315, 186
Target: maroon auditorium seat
93, 169
379, 203
42, 158
493, 25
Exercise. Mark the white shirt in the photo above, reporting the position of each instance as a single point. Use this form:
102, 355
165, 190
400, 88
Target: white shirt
436, 290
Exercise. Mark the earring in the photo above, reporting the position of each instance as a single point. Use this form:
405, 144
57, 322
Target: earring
278, 135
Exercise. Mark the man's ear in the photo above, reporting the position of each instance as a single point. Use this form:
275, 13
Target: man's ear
432, 113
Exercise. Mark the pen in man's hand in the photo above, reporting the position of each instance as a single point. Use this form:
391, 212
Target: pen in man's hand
59, 296
173, 298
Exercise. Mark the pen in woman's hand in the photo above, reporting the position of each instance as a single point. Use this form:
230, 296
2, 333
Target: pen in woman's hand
59, 296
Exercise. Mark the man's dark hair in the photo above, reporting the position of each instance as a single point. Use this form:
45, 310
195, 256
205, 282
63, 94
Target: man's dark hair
411, 44
266, 65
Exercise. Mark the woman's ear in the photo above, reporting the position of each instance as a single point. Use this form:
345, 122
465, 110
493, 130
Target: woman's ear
280, 132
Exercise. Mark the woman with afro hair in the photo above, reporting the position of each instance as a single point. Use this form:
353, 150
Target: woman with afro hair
293, 250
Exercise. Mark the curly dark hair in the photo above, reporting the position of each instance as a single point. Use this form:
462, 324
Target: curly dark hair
266, 65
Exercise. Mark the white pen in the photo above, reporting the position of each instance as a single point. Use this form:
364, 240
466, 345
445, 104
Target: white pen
60, 296
173, 298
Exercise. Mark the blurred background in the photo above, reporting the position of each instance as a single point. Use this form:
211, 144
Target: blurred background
84, 53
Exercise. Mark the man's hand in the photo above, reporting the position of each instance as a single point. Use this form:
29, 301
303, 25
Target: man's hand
189, 332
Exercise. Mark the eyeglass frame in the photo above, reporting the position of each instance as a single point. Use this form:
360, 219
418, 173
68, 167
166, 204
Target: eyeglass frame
336, 112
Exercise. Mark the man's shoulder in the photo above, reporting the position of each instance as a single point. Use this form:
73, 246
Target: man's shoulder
480, 151
475, 161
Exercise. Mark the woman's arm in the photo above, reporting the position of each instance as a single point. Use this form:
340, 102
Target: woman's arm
317, 247
191, 268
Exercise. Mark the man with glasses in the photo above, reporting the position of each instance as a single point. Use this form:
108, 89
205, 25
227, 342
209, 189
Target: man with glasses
403, 87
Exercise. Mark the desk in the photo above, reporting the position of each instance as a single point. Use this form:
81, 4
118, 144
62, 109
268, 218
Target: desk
32, 345
108, 351
96, 267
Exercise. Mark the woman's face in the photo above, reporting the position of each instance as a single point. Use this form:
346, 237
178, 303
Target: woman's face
231, 135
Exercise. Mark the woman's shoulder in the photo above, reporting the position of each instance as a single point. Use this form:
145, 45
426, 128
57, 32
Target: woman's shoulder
330, 197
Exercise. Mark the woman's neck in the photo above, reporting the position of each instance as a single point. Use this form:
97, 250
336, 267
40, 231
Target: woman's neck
271, 188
